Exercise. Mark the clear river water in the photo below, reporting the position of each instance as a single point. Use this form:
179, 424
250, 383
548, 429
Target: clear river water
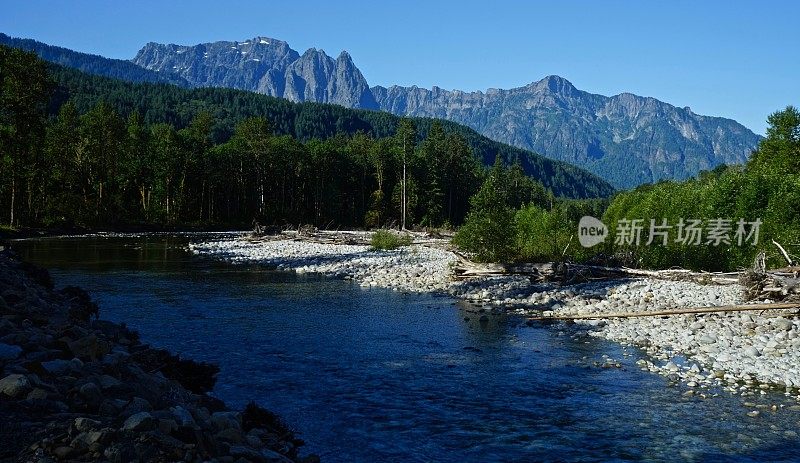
371, 375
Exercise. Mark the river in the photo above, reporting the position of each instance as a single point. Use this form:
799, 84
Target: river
372, 375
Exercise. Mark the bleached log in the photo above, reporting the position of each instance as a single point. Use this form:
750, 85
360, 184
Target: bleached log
662, 313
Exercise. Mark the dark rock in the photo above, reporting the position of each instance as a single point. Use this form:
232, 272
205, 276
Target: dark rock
136, 405
253, 441
120, 453
85, 440
85, 424
91, 394
142, 421
183, 417
198, 377
88, 348
63, 452
271, 456
167, 426
81, 307
187, 434
225, 420
255, 416
246, 452
37, 274
12, 298
9, 352
111, 407
213, 404
37, 394
232, 435
57, 367
202, 417
108, 382
15, 386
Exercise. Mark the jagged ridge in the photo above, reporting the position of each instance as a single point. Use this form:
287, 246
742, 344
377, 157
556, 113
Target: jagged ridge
264, 65
627, 139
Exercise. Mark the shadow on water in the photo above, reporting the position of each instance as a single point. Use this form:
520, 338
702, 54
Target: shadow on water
374, 375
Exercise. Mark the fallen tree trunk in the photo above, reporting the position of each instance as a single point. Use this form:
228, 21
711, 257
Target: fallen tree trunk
661, 313
578, 273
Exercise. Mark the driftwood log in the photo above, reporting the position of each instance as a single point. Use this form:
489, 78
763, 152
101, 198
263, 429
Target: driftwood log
777, 285
567, 273
663, 313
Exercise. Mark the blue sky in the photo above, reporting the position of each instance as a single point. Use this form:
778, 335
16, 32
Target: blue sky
724, 58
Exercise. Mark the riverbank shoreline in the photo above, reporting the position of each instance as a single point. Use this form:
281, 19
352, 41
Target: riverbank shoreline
7, 234
742, 353
76, 388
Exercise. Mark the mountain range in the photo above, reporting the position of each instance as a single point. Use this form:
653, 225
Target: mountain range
626, 139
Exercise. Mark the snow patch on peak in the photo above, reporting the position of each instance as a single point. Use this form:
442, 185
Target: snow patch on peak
265, 42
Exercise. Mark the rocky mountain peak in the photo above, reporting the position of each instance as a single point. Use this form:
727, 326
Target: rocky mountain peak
627, 139
265, 65
554, 84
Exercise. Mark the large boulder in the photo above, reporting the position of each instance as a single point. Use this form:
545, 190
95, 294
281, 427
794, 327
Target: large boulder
9, 352
139, 422
15, 386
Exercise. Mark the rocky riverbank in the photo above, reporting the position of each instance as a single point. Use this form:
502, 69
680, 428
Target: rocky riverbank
74, 388
744, 352
414, 268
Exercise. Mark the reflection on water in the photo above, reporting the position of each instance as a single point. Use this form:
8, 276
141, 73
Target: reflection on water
372, 375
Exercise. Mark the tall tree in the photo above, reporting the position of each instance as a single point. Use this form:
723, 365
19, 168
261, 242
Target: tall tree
489, 228
251, 142
24, 91
405, 143
102, 142
63, 154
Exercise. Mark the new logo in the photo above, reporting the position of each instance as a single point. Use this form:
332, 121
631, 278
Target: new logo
591, 231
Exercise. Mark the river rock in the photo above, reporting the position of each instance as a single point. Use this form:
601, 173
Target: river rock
91, 394
270, 456
9, 351
231, 435
136, 405
57, 367
37, 394
63, 452
782, 324
225, 420
85, 424
142, 421
15, 385
752, 351
183, 417
670, 366
88, 348
246, 452
167, 426
86, 439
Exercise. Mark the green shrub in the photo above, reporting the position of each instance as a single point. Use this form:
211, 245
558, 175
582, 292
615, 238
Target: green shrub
385, 240
488, 231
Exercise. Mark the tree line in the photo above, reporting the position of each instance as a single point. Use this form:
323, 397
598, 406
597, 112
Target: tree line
162, 103
737, 211
95, 166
